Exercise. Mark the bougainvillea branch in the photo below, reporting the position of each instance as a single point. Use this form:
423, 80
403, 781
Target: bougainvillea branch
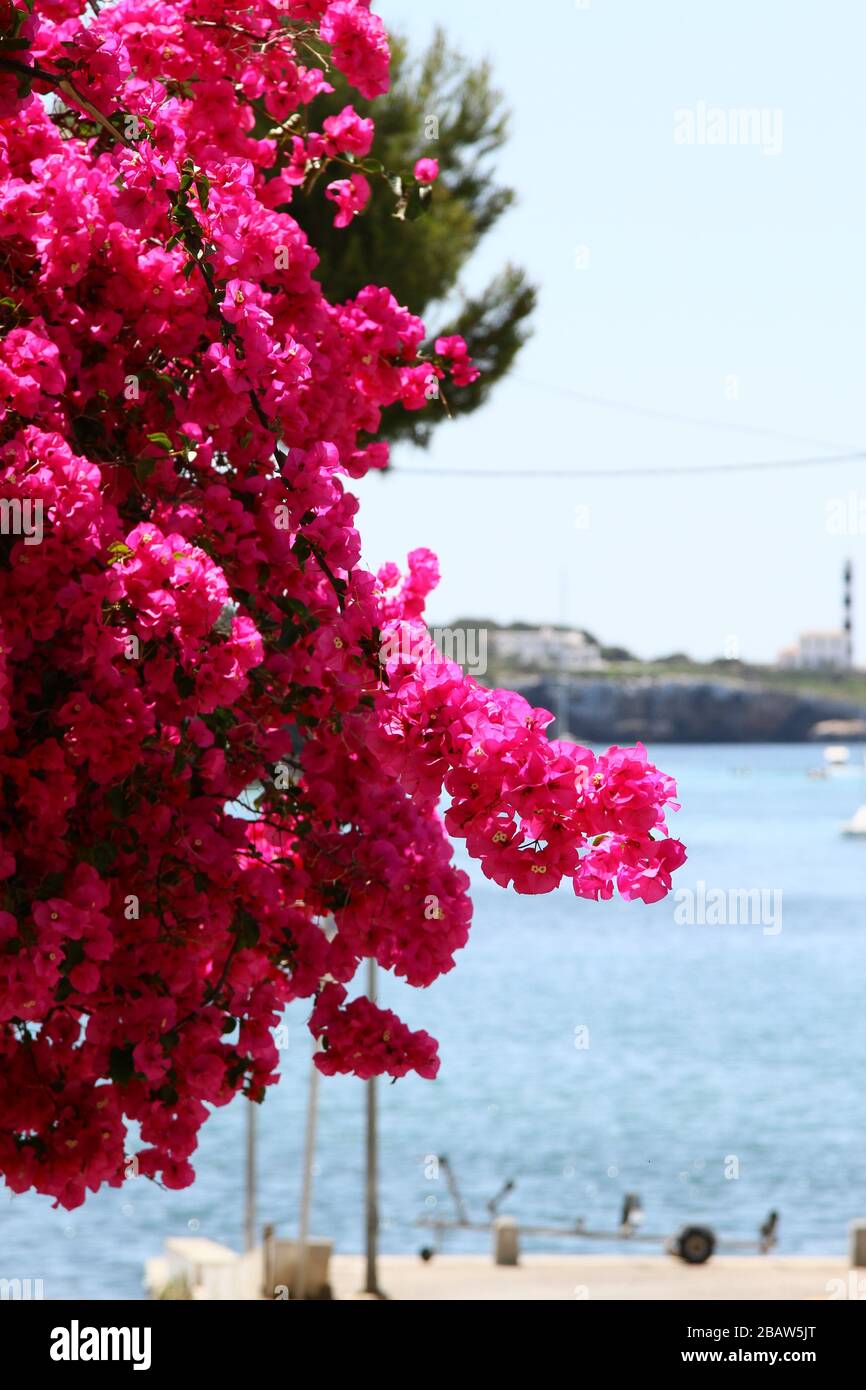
186, 627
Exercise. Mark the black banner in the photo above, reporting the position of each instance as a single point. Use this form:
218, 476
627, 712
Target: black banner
83, 1340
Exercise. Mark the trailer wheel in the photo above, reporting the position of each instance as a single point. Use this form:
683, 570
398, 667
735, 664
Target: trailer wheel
695, 1244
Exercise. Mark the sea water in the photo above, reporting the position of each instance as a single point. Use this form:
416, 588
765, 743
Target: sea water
704, 1059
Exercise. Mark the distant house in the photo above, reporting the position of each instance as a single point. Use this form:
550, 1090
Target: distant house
565, 650
818, 651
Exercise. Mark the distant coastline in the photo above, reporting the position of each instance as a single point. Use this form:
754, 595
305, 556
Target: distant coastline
697, 707
606, 694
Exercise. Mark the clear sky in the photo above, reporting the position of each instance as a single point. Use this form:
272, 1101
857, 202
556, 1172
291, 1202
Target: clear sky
723, 281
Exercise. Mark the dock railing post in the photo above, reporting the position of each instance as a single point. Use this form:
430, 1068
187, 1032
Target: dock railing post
299, 1289
506, 1240
371, 1200
250, 1194
857, 1243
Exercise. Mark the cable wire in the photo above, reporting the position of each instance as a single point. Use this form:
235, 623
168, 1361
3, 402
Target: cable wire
663, 471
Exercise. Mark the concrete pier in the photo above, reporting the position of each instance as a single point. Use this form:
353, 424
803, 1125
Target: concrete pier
570, 1278
201, 1269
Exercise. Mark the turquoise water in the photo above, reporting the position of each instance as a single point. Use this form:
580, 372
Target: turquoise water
711, 1049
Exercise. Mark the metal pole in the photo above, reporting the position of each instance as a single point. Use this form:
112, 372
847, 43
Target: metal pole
250, 1199
371, 1284
562, 721
299, 1285
846, 611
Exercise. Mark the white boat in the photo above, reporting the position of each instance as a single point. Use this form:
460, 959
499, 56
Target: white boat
857, 824
836, 754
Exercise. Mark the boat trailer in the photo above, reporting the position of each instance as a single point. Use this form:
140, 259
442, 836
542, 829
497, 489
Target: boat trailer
692, 1244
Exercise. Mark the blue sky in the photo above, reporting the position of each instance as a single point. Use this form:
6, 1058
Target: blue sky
722, 281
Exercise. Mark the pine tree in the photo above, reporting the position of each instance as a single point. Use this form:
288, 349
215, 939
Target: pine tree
442, 106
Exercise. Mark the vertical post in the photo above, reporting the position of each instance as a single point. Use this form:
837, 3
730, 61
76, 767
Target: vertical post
846, 613
299, 1288
857, 1242
371, 1282
506, 1241
250, 1196
268, 1289
562, 721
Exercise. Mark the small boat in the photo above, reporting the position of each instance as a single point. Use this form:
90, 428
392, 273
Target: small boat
857, 824
836, 755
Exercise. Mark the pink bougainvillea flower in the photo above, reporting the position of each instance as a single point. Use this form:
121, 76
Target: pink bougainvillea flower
351, 196
427, 170
349, 133
231, 756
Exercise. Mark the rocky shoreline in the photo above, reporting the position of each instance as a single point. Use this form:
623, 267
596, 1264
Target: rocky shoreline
684, 709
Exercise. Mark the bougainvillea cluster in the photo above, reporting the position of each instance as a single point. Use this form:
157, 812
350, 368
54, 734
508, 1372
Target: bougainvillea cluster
217, 794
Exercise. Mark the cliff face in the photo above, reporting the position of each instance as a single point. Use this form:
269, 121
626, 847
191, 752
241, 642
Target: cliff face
681, 709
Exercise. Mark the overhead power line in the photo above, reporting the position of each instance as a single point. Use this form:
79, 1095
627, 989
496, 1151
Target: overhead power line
663, 471
678, 418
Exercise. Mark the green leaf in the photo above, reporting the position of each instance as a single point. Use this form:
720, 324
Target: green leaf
185, 686
103, 855
420, 200
302, 550
247, 930
118, 551
290, 632
73, 953
143, 468
121, 1067
162, 440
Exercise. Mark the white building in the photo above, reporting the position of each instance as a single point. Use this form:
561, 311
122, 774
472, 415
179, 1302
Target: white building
817, 651
545, 649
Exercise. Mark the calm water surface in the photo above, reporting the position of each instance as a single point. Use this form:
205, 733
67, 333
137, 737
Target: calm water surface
711, 1049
